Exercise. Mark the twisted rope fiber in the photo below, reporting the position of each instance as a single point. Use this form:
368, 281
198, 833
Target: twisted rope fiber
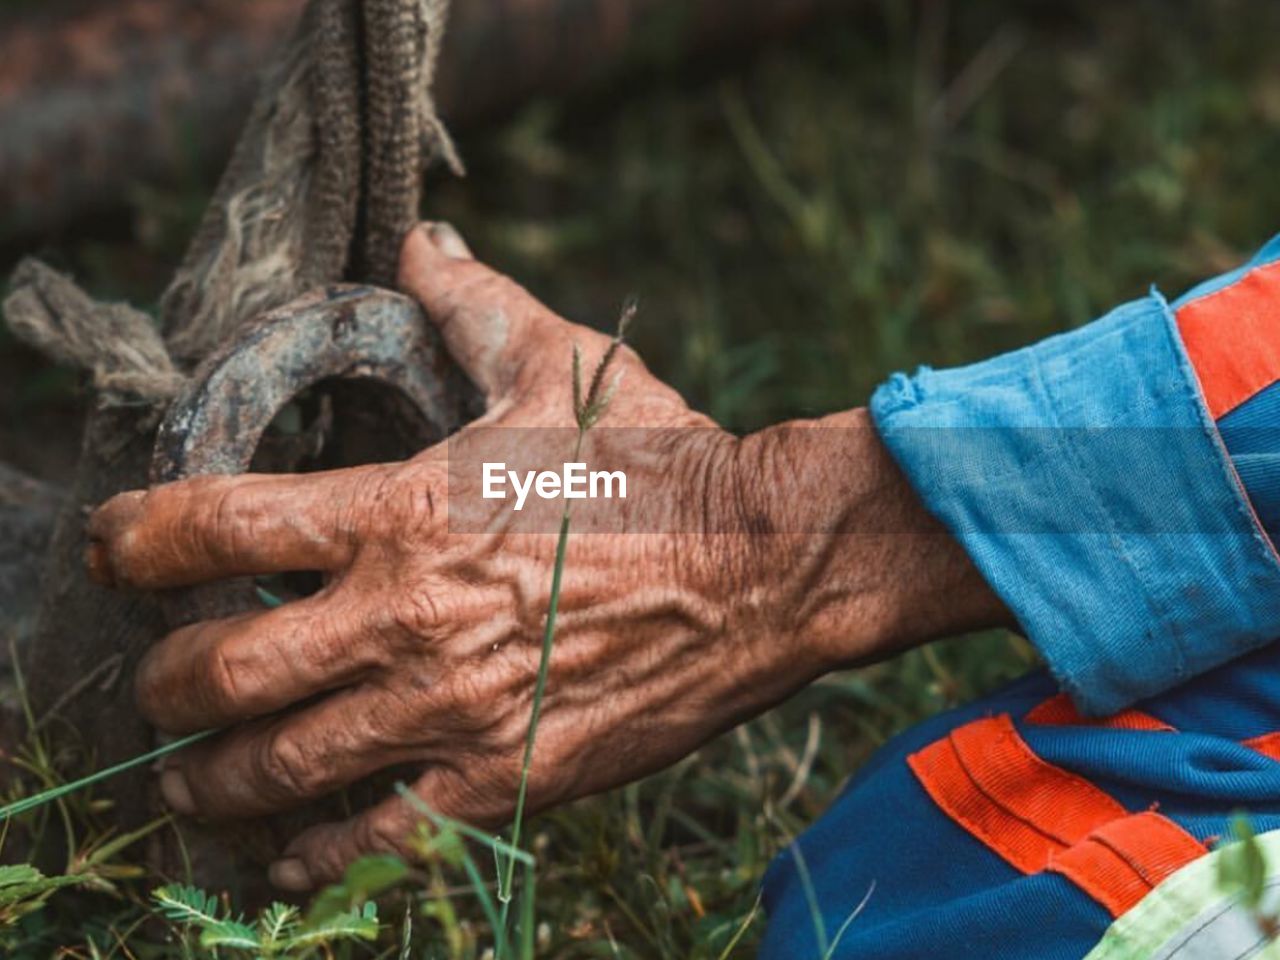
116, 343
321, 186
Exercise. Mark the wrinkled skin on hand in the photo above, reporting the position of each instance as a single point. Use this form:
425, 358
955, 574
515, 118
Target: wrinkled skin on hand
423, 645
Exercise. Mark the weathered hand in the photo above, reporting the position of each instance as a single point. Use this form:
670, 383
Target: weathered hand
423, 645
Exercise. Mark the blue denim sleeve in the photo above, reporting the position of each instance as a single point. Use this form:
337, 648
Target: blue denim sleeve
1089, 484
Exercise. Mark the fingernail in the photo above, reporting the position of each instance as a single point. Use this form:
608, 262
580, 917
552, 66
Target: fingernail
448, 241
290, 874
176, 791
98, 563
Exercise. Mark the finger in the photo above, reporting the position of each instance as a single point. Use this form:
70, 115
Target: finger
208, 528
320, 854
488, 322
282, 762
219, 672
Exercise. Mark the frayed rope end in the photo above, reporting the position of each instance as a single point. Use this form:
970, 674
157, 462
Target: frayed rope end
119, 345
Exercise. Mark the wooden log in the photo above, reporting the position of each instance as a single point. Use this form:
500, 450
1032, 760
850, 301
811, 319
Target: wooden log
28, 508
97, 99
86, 639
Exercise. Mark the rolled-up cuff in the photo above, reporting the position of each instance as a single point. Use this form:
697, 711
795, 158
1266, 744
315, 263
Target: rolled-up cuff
1088, 483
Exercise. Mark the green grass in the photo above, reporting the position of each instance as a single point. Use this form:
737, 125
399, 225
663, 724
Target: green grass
798, 226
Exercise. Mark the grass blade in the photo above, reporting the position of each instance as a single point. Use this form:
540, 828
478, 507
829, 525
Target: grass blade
55, 793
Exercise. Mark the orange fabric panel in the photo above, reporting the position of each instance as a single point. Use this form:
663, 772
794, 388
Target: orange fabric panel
985, 777
944, 778
1123, 861
1232, 337
1103, 874
1037, 817
1059, 711
1064, 805
1152, 844
1268, 745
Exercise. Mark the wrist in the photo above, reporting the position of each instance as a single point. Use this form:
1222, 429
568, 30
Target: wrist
839, 554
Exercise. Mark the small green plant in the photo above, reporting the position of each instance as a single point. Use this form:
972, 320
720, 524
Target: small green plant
24, 890
1243, 872
442, 840
279, 931
364, 880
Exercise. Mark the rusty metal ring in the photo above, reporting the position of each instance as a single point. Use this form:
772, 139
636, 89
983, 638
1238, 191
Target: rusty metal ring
341, 332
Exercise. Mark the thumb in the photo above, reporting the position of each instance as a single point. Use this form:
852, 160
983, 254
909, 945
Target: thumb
488, 322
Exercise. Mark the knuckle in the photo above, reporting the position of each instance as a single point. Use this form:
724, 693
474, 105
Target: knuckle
419, 611
482, 793
476, 286
328, 861
382, 835
224, 685
289, 768
323, 643
407, 709
356, 504
468, 699
399, 505
418, 499
229, 530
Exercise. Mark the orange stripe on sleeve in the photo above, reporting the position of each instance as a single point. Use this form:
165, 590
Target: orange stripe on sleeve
1232, 337
1268, 745
986, 778
1005, 769
1059, 711
1123, 861
1038, 817
1022, 845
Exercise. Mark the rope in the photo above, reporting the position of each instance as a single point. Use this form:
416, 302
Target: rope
322, 185
118, 344
335, 95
